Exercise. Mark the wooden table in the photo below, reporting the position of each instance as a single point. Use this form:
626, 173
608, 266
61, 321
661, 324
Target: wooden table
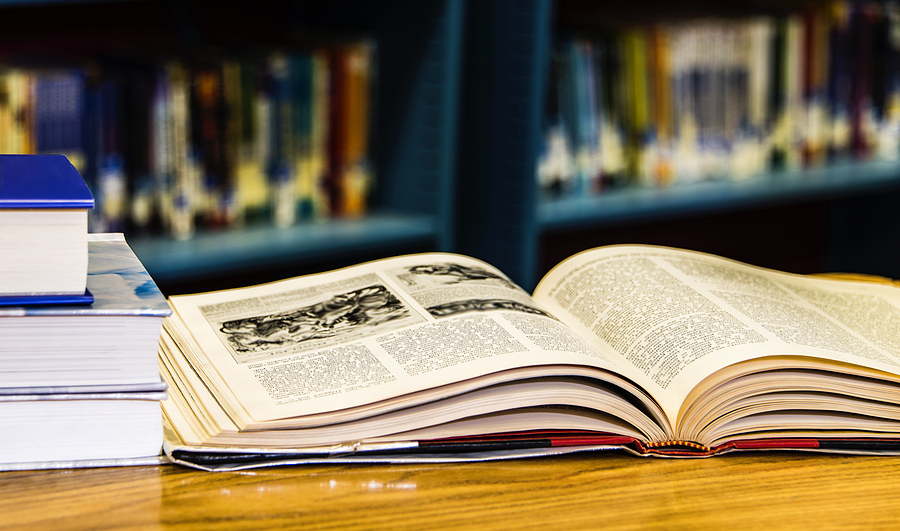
608, 490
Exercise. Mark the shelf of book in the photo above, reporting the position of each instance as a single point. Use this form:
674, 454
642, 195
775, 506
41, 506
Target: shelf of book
191, 123
230, 252
638, 204
642, 114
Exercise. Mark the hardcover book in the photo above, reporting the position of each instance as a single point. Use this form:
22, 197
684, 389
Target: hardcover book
43, 226
109, 342
440, 357
81, 429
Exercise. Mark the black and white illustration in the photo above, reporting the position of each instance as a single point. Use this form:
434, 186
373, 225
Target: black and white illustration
481, 305
449, 288
452, 273
348, 315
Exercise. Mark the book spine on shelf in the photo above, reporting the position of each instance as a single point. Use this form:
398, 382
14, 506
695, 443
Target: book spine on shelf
280, 168
136, 149
210, 113
16, 112
321, 132
184, 192
58, 98
232, 208
302, 75
337, 130
356, 175
111, 183
252, 116
889, 132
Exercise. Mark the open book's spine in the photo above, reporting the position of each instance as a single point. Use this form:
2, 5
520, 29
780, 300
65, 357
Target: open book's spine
872, 446
675, 448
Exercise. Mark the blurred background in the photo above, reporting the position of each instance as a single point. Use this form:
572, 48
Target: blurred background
241, 142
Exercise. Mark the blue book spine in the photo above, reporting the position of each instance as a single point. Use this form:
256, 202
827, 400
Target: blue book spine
58, 110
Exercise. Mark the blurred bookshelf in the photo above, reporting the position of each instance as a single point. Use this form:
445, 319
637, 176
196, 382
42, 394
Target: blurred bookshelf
456, 144
640, 204
701, 115
248, 141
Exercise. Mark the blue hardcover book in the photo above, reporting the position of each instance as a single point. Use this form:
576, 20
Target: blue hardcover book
41, 181
112, 341
44, 206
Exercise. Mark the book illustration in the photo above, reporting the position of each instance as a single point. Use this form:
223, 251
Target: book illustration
448, 288
337, 318
451, 273
481, 305
370, 306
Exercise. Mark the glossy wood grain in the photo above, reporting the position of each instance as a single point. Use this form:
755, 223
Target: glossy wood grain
609, 491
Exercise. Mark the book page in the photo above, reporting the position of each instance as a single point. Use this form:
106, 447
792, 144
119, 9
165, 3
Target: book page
670, 318
367, 333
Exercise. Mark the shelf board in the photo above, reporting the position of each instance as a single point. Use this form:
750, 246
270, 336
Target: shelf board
231, 251
630, 205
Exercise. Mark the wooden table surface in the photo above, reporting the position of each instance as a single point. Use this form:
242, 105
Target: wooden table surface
604, 490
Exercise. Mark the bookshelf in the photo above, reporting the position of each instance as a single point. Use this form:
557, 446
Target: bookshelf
460, 116
414, 93
842, 206
419, 47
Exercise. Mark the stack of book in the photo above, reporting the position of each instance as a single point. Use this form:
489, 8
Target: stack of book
80, 320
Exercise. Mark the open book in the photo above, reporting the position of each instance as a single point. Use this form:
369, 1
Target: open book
652, 350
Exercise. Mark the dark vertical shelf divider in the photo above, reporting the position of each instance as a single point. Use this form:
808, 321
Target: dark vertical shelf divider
419, 69
506, 61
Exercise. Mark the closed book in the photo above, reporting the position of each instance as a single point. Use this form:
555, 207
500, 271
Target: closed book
112, 341
43, 226
72, 430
